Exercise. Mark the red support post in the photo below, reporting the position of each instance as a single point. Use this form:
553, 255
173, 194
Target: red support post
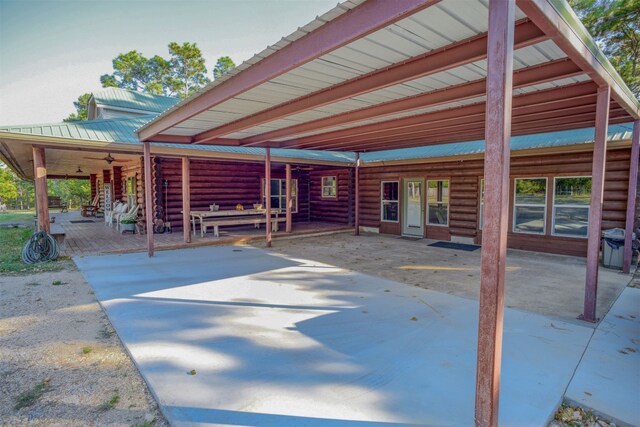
496, 209
186, 200
40, 186
357, 195
289, 200
631, 198
148, 198
597, 196
267, 192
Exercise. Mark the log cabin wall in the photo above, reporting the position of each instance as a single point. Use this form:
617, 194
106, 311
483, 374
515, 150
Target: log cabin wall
116, 180
337, 209
93, 180
465, 176
225, 183
134, 171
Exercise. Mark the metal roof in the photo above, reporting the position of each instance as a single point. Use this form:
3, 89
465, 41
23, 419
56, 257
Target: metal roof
525, 142
349, 86
123, 98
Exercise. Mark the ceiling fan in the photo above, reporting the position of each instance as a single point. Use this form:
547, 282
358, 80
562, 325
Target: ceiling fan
302, 168
109, 159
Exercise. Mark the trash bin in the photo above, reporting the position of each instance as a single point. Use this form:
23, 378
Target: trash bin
613, 248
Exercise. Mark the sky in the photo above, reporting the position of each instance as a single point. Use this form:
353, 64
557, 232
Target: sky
52, 51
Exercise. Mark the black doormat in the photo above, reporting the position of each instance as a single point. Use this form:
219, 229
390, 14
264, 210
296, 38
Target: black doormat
452, 245
81, 221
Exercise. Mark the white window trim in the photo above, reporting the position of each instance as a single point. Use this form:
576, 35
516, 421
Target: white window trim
513, 214
553, 208
281, 180
382, 200
448, 203
322, 186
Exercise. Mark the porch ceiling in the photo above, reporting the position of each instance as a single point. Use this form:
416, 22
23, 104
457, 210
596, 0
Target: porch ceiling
379, 75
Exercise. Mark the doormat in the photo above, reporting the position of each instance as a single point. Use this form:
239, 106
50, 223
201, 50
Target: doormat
81, 221
452, 245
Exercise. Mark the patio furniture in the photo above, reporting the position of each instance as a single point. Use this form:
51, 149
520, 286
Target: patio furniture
90, 210
119, 209
131, 215
55, 202
217, 219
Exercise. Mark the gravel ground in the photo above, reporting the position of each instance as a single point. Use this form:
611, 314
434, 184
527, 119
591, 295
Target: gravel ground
61, 363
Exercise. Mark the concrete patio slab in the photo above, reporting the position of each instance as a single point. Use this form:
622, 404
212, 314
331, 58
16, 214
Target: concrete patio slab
608, 378
279, 341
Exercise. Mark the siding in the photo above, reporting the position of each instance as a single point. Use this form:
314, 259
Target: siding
338, 209
464, 205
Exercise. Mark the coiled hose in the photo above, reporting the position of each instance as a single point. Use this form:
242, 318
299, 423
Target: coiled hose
40, 247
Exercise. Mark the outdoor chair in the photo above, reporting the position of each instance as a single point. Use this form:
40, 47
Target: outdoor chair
132, 214
90, 210
119, 208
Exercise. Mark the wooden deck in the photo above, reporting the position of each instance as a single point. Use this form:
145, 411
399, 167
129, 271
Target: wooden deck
90, 238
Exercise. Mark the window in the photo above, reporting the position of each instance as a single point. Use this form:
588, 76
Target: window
389, 201
438, 202
329, 187
481, 213
530, 205
132, 200
571, 200
279, 194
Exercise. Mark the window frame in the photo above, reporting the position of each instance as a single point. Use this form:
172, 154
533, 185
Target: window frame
427, 201
553, 207
513, 208
382, 200
481, 206
132, 196
322, 186
281, 195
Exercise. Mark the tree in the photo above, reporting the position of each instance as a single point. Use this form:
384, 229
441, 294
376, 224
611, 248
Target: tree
134, 71
8, 189
223, 66
82, 105
615, 26
188, 71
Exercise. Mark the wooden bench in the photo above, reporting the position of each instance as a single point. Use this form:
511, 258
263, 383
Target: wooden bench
216, 223
58, 233
56, 203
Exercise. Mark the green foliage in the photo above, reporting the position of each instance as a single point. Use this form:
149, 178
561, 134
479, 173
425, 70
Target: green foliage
30, 397
8, 188
111, 403
12, 240
74, 192
82, 108
188, 71
615, 26
223, 66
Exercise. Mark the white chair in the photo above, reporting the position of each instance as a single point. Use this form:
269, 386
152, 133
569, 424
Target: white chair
132, 214
109, 215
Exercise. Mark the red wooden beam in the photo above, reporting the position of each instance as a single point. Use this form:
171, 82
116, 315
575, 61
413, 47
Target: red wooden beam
357, 195
445, 58
148, 199
40, 185
289, 200
185, 139
547, 96
267, 193
631, 197
186, 200
525, 77
496, 210
595, 211
350, 26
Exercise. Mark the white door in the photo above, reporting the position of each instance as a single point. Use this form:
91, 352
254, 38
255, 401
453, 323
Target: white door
412, 212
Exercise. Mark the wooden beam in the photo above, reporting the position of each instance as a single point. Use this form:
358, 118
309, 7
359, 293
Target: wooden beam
40, 185
357, 195
362, 20
289, 200
454, 55
496, 210
267, 192
148, 198
631, 197
595, 210
538, 74
186, 199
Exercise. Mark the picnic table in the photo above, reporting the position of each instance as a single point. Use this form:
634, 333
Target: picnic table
216, 219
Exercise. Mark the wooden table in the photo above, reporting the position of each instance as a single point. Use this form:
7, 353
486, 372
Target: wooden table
201, 215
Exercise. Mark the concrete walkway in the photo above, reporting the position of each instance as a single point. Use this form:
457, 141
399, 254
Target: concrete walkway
276, 341
608, 378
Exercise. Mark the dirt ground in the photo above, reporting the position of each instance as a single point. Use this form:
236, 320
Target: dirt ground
61, 363
547, 284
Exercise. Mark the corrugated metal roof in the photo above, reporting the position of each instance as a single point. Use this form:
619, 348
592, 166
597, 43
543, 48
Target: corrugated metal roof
525, 142
123, 98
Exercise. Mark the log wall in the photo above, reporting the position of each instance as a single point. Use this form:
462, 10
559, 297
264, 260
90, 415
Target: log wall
339, 209
465, 178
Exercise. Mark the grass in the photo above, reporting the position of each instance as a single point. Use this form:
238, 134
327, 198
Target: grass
30, 397
149, 423
17, 216
111, 403
58, 283
86, 350
12, 240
